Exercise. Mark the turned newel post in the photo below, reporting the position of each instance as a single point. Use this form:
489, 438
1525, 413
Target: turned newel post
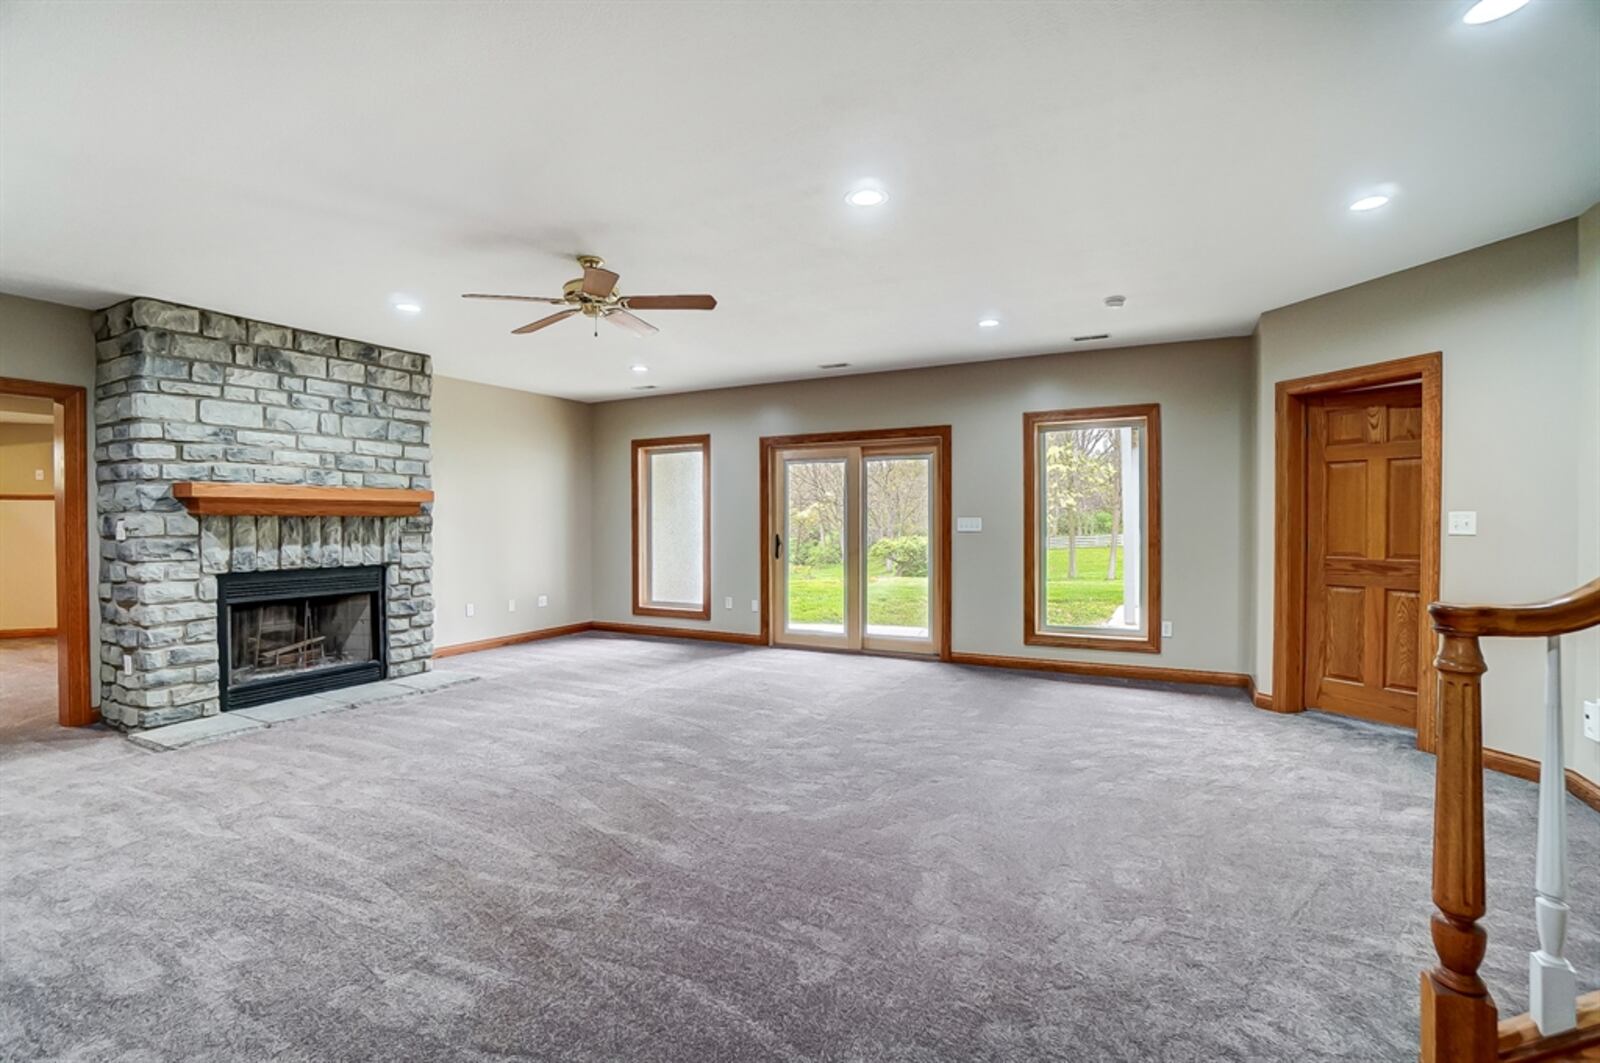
1459, 1023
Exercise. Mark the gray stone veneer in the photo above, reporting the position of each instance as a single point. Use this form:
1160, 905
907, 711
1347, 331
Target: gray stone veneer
183, 394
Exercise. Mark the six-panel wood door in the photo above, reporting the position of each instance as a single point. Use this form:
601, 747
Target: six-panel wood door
1363, 555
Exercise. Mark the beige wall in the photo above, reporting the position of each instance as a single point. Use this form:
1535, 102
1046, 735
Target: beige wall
1588, 468
512, 510
27, 527
1205, 393
27, 449
53, 343
1515, 424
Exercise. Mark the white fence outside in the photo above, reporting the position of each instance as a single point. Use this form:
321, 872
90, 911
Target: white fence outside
1060, 541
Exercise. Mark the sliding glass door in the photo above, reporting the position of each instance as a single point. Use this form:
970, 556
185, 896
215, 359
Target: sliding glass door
855, 547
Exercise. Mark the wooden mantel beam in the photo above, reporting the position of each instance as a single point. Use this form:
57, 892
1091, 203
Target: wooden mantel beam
294, 500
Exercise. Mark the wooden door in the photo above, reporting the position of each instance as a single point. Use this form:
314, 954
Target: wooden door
1364, 520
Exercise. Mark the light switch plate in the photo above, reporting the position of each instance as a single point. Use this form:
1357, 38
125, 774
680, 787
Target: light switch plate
511, 605
471, 609
755, 605
38, 474
1166, 629
727, 603
1463, 522
969, 524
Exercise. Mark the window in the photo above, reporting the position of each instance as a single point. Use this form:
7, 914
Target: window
672, 527
1092, 514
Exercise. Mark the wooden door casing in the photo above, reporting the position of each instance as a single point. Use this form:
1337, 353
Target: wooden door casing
1364, 528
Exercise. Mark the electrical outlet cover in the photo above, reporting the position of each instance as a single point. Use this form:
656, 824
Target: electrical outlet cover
544, 600
1591, 720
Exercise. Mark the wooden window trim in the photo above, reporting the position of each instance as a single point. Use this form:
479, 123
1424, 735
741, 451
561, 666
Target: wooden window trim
641, 450
1032, 593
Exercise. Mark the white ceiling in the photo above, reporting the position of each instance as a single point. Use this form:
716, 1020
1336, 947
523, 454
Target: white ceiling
307, 163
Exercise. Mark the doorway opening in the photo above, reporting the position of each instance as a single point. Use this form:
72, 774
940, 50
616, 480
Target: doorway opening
855, 531
44, 580
1356, 529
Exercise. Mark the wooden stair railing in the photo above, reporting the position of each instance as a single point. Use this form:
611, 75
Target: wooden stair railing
1459, 1020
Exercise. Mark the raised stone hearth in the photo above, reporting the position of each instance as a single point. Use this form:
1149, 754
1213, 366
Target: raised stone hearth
186, 395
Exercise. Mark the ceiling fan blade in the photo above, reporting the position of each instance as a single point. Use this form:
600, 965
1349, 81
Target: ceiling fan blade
637, 326
670, 302
598, 282
514, 298
535, 326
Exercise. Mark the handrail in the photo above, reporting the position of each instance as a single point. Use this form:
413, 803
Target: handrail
1562, 615
1459, 1017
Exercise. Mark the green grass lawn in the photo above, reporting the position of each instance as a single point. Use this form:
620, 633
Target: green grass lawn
816, 593
816, 596
1088, 600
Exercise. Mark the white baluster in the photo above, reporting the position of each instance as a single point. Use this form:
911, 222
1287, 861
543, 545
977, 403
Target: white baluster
1552, 983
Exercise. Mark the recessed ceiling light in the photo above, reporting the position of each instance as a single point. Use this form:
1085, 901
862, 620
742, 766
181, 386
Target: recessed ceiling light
989, 322
868, 195
640, 368
1369, 203
1116, 302
408, 308
1489, 10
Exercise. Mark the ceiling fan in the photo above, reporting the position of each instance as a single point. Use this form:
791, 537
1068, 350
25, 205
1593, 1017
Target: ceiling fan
595, 295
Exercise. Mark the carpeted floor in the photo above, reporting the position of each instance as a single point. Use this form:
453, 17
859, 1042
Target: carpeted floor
28, 691
624, 849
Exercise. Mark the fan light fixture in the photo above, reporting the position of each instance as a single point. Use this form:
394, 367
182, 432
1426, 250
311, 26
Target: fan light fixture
1491, 10
1366, 203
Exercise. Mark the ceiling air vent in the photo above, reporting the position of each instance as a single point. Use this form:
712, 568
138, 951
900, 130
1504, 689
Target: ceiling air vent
1096, 336
645, 387
834, 365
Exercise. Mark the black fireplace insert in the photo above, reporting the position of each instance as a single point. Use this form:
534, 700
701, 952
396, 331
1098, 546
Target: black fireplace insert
284, 634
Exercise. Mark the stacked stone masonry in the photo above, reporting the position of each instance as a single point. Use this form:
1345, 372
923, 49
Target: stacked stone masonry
183, 394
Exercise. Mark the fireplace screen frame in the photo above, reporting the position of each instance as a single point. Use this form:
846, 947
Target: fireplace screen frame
255, 588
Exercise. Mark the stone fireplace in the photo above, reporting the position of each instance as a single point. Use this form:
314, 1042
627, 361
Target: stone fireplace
208, 605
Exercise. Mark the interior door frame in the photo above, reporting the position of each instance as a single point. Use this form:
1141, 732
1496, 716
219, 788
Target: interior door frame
940, 437
74, 706
1289, 523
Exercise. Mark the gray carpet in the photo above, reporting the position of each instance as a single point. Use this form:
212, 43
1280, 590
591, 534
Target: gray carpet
622, 849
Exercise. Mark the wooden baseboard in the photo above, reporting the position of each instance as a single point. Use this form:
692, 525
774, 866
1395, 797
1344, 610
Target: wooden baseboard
1261, 699
738, 638
1102, 670
1578, 786
28, 633
1521, 1042
511, 640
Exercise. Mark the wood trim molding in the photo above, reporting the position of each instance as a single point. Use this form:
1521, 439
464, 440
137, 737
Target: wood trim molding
1032, 635
18, 496
1289, 531
28, 632
1584, 789
498, 641
74, 704
297, 500
739, 638
636, 453
1098, 669
940, 435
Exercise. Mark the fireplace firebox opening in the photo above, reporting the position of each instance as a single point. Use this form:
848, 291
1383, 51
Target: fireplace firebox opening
289, 633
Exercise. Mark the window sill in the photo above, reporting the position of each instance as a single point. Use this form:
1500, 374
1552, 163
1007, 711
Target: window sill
687, 613
1150, 643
